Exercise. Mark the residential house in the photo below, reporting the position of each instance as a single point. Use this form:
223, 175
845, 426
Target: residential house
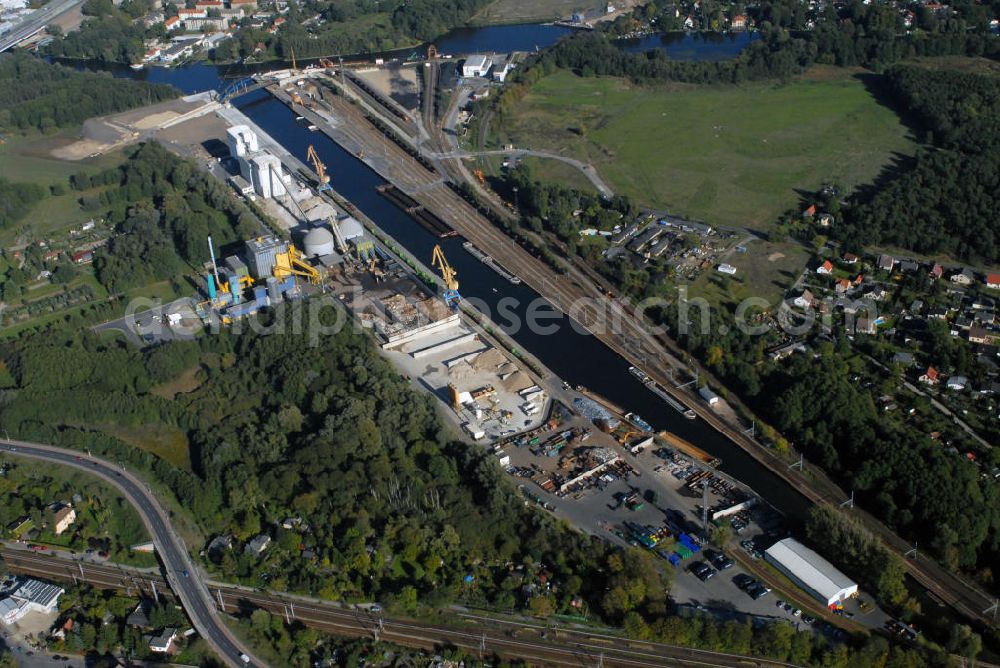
916, 306
993, 281
849, 258
908, 266
938, 312
805, 300
186, 14
936, 271
163, 642
248, 5
978, 334
825, 219
140, 616
258, 544
64, 519
842, 285
739, 22
864, 326
929, 376
173, 23
886, 262
826, 268
903, 358
963, 277
957, 383
810, 211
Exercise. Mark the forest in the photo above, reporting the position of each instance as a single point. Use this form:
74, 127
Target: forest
16, 199
947, 200
45, 96
162, 209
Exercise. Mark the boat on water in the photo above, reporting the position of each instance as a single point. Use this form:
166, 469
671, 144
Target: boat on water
638, 421
488, 260
137, 66
655, 388
313, 128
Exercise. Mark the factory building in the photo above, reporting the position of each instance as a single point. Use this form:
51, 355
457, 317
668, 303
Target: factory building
262, 253
265, 175
811, 572
30, 596
476, 66
258, 167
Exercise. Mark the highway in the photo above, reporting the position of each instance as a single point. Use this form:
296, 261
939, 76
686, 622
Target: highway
181, 575
34, 22
528, 640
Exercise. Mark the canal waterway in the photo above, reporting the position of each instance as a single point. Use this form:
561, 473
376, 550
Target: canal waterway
575, 356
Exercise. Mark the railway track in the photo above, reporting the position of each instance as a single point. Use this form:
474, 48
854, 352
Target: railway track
533, 642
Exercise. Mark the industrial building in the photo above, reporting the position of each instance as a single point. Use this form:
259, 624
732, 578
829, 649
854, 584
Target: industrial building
477, 66
30, 596
258, 168
811, 572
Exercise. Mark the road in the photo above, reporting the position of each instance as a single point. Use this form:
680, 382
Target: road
527, 639
181, 577
35, 22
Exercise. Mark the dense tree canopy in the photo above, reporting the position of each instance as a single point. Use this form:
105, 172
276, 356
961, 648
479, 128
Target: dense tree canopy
16, 199
163, 209
45, 96
948, 200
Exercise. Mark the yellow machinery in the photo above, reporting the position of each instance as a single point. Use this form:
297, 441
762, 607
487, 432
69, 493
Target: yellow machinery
480, 176
376, 270
323, 177
290, 263
451, 296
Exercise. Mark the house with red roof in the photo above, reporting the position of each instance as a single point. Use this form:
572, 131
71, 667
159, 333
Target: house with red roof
930, 376
826, 268
993, 281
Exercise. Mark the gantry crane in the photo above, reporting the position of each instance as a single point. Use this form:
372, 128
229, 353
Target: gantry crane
323, 177
451, 296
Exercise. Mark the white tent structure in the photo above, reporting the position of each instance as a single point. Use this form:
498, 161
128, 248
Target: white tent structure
810, 571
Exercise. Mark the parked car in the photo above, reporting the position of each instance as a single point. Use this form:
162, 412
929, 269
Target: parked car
702, 571
719, 560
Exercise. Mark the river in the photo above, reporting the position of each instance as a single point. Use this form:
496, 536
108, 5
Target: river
577, 357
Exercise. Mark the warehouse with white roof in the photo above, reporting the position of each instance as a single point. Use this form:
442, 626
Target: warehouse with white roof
810, 571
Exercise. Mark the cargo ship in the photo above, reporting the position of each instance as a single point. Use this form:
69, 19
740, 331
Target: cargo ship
655, 388
490, 262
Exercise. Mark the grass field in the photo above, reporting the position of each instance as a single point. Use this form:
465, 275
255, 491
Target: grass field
26, 158
532, 11
735, 155
168, 443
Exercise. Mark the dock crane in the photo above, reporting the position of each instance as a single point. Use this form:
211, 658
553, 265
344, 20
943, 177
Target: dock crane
291, 263
451, 296
323, 177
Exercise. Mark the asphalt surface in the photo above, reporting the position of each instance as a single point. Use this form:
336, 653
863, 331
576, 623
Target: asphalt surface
35, 22
181, 575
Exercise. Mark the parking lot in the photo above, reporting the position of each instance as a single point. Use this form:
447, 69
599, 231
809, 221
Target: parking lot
654, 490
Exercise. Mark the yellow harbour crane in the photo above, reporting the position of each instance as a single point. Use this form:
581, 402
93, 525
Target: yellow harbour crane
290, 263
451, 296
324, 178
